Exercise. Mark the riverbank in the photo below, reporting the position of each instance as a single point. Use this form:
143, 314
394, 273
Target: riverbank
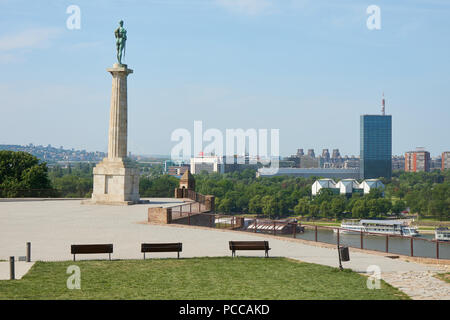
425, 228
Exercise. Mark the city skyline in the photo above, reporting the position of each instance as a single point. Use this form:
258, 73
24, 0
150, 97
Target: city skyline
60, 153
196, 60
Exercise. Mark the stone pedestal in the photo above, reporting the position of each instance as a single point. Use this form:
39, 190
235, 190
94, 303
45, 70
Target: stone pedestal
116, 179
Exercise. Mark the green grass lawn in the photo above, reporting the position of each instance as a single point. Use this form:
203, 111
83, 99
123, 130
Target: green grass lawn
195, 278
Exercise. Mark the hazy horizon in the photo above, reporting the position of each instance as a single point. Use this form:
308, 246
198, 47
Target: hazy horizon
308, 68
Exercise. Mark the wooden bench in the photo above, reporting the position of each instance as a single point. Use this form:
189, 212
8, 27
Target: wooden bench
249, 245
91, 249
162, 247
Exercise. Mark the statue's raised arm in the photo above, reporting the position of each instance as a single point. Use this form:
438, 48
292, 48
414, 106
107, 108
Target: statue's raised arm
121, 37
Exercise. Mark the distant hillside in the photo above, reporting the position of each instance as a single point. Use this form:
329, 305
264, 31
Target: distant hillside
51, 154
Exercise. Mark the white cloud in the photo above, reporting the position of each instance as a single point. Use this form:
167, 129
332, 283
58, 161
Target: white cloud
30, 38
249, 7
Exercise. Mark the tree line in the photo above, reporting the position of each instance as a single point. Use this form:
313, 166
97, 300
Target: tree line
277, 197
24, 175
424, 193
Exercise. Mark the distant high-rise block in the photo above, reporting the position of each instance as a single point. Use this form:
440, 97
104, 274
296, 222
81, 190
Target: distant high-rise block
335, 154
398, 163
311, 153
445, 160
416, 161
375, 146
309, 162
325, 154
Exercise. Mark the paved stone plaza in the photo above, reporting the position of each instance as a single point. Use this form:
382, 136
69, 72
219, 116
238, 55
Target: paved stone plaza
53, 225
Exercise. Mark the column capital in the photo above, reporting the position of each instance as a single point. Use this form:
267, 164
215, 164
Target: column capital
119, 68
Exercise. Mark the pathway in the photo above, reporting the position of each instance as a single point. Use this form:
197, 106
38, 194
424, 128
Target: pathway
419, 285
21, 269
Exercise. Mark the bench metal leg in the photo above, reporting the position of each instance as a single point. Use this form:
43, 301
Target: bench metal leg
73, 257
144, 255
109, 256
178, 252
12, 270
267, 253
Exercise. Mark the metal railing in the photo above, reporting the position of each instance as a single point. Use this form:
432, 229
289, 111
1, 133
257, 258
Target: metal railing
195, 196
383, 242
187, 210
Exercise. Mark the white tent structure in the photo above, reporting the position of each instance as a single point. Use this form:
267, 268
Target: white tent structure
322, 183
370, 184
346, 186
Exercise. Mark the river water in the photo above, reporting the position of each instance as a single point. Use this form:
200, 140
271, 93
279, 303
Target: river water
396, 245
423, 246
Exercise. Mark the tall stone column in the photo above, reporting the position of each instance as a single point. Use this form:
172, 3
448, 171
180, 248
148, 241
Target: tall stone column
116, 179
118, 122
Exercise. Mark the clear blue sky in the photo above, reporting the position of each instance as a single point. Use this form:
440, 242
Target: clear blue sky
308, 68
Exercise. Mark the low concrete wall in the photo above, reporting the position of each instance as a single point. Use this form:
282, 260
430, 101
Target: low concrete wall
160, 215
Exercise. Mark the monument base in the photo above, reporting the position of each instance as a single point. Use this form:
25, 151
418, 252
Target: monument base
116, 182
123, 203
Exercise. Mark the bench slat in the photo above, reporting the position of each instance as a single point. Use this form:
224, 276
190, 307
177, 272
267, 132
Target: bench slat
249, 248
91, 248
161, 247
249, 245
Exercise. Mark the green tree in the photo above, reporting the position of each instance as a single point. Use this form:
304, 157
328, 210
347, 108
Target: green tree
373, 207
158, 186
226, 205
375, 193
255, 205
359, 209
21, 174
325, 210
269, 206
242, 204
436, 208
385, 206
398, 206
314, 210
325, 195
338, 205
72, 186
302, 208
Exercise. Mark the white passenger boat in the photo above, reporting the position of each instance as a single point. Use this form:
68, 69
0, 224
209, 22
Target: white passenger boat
442, 234
396, 227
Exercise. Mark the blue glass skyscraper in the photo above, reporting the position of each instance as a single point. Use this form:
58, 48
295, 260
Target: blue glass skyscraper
376, 146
